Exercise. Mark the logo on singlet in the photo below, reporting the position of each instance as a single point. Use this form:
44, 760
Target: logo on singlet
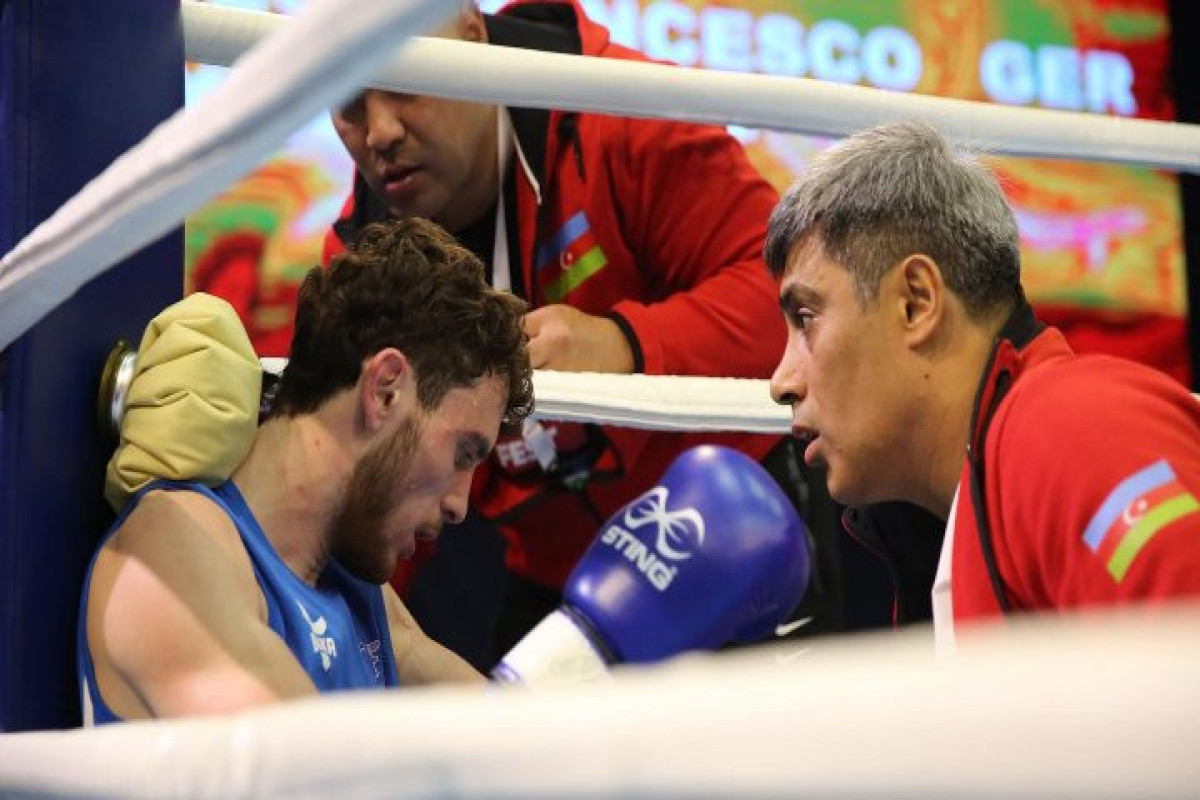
373, 652
323, 645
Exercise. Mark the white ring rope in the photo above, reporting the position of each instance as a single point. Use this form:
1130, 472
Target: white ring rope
1058, 707
530, 79
195, 154
650, 402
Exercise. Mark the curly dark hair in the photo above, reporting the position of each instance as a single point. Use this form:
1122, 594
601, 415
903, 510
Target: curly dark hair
405, 284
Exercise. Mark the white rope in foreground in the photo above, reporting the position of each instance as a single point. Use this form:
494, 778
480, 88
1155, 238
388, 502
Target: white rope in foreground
524, 78
312, 64
651, 402
1100, 708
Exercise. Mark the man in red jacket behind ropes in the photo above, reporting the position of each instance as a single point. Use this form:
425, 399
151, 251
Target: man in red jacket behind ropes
638, 244
917, 372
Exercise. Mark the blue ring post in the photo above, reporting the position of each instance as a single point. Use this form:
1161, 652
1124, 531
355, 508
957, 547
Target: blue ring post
80, 83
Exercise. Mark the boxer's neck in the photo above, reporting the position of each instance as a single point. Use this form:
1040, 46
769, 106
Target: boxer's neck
293, 480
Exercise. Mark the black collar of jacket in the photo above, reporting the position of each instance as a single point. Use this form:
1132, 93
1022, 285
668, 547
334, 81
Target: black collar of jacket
908, 539
548, 27
1021, 328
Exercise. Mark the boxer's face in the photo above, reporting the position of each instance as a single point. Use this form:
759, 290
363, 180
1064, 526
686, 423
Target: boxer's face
425, 156
838, 373
416, 478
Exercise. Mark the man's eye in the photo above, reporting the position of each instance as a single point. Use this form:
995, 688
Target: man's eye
801, 319
468, 459
352, 110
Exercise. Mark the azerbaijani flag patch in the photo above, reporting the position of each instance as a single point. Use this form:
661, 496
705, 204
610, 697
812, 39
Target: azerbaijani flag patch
1141, 506
568, 258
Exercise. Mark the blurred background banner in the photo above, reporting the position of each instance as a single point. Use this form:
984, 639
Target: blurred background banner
1102, 244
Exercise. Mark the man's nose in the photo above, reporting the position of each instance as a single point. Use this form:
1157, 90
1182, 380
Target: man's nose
385, 127
454, 504
787, 384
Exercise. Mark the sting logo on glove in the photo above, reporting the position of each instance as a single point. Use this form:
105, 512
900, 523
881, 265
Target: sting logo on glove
679, 534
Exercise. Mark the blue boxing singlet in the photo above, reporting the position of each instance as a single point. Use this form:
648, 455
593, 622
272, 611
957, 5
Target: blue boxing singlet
337, 630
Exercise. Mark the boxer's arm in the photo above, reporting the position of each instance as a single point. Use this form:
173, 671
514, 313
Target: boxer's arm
420, 659
176, 623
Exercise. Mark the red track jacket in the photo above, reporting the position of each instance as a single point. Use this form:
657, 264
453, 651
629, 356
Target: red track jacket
1081, 483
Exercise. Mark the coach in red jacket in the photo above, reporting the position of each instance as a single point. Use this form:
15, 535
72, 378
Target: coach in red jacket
638, 244
917, 372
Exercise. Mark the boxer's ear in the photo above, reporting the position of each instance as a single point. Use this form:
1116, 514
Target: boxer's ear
387, 378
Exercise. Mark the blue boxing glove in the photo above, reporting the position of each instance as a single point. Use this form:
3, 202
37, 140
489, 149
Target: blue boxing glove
712, 554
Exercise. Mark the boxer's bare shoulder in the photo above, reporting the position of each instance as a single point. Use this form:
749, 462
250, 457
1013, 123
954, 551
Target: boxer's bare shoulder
176, 622
182, 522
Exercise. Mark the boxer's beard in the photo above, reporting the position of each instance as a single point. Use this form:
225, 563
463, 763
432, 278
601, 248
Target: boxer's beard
359, 541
